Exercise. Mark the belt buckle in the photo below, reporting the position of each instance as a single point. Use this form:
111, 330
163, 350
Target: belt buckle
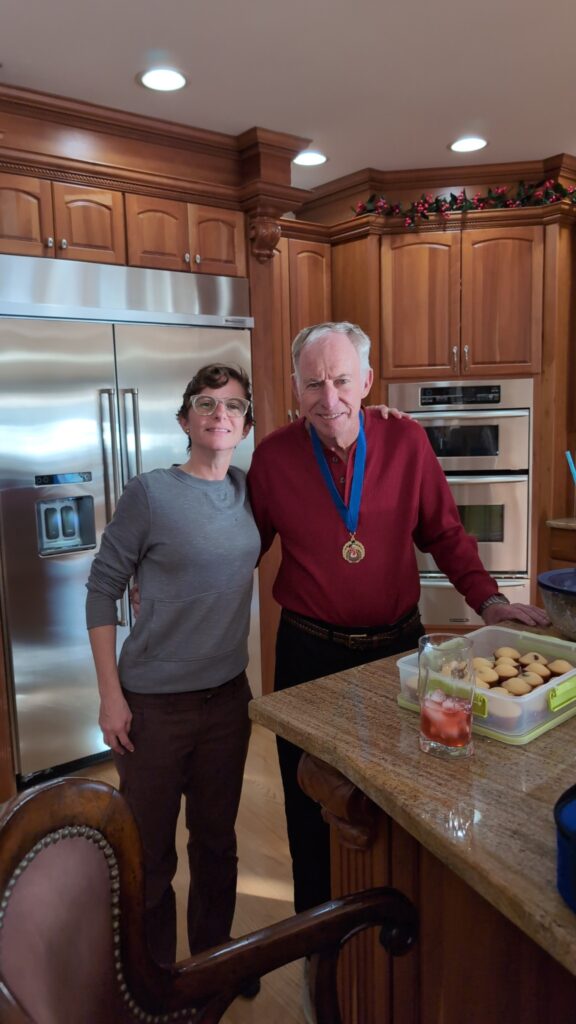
355, 640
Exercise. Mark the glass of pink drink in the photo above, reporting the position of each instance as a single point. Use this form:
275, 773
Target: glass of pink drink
446, 693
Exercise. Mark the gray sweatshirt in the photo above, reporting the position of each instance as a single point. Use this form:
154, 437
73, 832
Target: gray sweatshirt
193, 544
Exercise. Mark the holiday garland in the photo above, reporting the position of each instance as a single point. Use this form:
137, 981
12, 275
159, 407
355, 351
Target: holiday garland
544, 193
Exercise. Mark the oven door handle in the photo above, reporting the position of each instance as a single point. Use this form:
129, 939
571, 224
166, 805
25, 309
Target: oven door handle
469, 414
503, 583
503, 478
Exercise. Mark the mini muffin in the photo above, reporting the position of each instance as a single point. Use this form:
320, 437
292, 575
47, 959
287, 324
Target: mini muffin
559, 667
517, 687
481, 684
507, 652
540, 670
505, 671
501, 690
478, 663
531, 657
505, 661
533, 679
488, 675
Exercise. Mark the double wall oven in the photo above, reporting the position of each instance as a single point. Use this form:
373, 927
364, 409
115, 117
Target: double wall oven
481, 432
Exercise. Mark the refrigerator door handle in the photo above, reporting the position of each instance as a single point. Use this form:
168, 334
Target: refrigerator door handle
133, 392
124, 610
110, 450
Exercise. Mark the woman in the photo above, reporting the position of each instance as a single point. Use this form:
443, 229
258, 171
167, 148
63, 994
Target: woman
174, 709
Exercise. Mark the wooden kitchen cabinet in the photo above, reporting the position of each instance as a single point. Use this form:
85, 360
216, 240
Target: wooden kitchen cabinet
26, 216
217, 243
43, 218
169, 235
562, 548
421, 305
462, 303
502, 298
89, 223
307, 276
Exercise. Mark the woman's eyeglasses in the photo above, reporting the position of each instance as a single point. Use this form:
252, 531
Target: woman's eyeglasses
206, 405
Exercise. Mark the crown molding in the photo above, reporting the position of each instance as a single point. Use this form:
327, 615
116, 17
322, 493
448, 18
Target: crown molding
368, 180
373, 224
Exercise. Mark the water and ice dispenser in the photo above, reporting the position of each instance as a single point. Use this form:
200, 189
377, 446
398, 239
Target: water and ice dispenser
65, 524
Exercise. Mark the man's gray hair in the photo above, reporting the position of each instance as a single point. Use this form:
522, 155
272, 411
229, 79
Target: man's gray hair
308, 335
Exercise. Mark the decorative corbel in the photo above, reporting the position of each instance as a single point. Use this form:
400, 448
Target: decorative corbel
264, 237
344, 807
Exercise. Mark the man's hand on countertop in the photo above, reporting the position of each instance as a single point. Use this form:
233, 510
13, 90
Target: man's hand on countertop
528, 614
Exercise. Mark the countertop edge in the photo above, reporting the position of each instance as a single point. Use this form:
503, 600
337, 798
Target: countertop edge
544, 930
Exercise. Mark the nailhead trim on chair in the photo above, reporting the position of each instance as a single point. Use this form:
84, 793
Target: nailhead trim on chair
84, 832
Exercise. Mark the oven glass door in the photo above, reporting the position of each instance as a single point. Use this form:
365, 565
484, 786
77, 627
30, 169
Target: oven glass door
484, 440
495, 511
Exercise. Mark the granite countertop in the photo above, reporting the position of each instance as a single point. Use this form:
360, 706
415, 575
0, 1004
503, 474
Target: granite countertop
489, 817
562, 524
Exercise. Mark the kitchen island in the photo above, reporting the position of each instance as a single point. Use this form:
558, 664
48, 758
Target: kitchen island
471, 842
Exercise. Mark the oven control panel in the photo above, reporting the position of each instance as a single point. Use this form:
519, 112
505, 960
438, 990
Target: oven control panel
462, 395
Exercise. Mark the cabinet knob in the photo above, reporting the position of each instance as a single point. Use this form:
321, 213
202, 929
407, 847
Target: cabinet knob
197, 258
290, 416
466, 351
186, 257
49, 243
63, 244
455, 358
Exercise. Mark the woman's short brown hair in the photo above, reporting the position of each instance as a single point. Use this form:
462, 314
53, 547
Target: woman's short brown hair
216, 375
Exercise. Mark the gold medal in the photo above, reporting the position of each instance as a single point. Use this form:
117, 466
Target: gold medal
353, 551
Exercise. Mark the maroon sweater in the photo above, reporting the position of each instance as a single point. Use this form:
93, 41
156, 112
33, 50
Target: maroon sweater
405, 501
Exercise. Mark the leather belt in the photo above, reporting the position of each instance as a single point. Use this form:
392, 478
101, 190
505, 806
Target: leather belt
353, 638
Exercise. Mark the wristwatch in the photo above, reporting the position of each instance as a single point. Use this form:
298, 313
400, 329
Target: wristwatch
493, 599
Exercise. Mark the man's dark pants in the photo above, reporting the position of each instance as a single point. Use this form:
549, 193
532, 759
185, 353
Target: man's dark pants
300, 658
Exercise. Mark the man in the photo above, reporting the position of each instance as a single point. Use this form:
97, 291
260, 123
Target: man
350, 493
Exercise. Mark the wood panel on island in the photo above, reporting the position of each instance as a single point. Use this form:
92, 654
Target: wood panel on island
507, 978
462, 303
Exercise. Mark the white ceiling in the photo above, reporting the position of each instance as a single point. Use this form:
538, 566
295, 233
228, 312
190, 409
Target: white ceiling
373, 83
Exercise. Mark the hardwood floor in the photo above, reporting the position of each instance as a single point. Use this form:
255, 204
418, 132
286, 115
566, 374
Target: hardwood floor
264, 883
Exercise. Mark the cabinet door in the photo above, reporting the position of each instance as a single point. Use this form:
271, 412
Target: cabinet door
356, 297
217, 243
502, 286
26, 223
157, 231
309, 273
89, 223
421, 305
309, 276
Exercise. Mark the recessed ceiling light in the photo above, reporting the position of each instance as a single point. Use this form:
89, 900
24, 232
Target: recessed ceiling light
163, 79
310, 158
468, 144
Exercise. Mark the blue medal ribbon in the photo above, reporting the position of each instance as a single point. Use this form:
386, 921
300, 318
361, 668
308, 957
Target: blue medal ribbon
348, 513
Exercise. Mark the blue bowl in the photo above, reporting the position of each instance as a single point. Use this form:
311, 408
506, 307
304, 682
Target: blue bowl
565, 818
558, 589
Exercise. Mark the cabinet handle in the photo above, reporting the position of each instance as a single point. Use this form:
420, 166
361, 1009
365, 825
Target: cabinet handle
63, 244
49, 243
466, 359
455, 358
290, 416
197, 258
186, 257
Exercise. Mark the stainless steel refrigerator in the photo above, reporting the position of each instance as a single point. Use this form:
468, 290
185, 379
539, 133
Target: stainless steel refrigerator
93, 363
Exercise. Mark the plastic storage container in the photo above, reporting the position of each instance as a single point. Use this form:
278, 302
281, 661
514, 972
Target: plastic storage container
514, 720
